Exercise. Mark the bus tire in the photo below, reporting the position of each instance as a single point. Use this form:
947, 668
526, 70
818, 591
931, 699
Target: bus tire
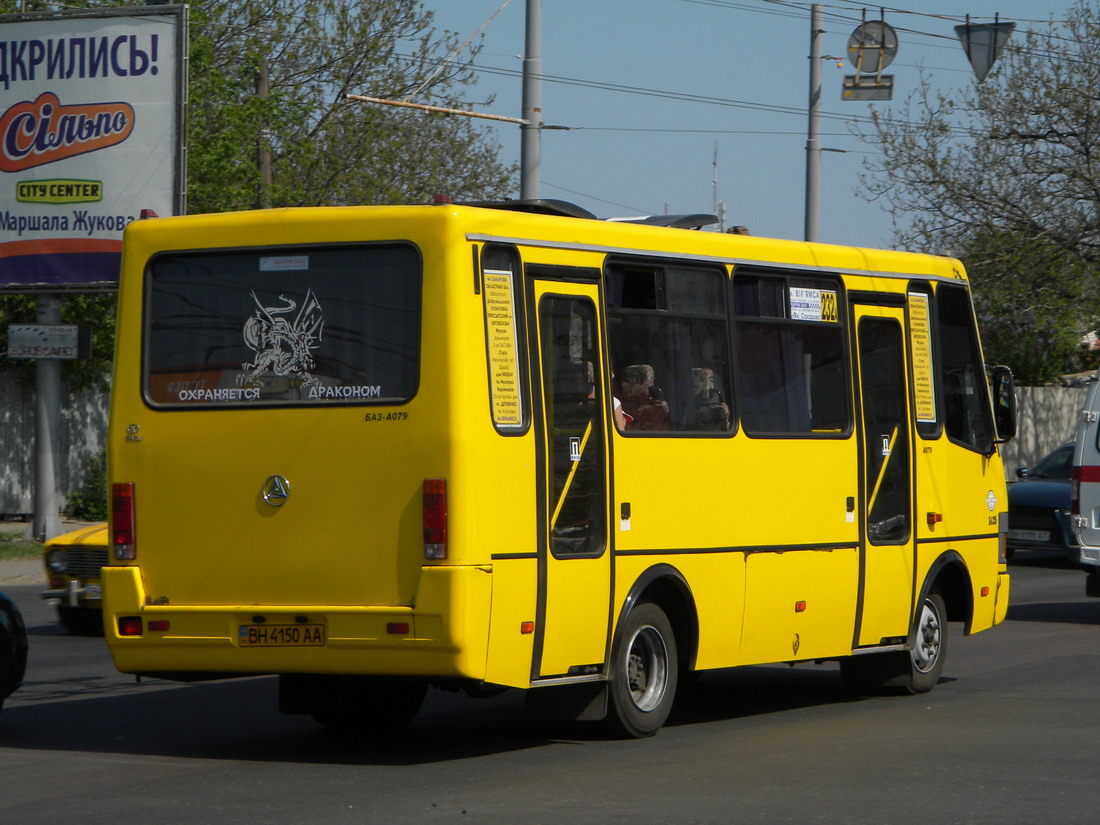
644, 673
367, 705
916, 670
929, 648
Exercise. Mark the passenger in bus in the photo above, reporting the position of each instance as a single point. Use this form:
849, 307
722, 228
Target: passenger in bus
622, 419
711, 413
618, 415
642, 400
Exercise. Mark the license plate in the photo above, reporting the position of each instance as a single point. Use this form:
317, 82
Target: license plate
1030, 535
282, 635
92, 591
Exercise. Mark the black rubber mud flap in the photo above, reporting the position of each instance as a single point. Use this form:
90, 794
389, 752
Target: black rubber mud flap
584, 702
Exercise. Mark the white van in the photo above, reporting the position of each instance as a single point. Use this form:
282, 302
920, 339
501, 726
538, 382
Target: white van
1085, 495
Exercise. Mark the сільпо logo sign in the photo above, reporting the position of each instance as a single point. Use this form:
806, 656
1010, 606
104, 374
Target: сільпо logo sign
43, 131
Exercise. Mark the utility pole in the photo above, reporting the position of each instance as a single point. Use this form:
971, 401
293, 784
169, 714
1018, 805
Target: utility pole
813, 139
46, 523
719, 207
531, 129
264, 158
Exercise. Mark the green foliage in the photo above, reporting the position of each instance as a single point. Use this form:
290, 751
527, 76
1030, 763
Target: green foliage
324, 149
89, 503
1004, 176
15, 309
14, 546
95, 310
1028, 300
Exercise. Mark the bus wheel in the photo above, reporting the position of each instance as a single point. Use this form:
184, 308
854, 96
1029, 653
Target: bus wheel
929, 645
643, 674
367, 705
916, 670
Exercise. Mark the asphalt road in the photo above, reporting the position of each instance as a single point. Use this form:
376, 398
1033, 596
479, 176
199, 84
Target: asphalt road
1008, 736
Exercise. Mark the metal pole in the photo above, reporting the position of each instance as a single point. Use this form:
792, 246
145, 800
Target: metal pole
46, 523
262, 89
813, 140
531, 135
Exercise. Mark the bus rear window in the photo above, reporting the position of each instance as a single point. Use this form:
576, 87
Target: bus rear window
286, 326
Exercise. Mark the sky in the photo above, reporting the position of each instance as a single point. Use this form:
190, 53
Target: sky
654, 91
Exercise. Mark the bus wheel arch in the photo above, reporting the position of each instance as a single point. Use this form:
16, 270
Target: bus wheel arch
950, 577
666, 587
655, 639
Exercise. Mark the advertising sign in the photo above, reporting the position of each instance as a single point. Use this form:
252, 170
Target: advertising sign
90, 121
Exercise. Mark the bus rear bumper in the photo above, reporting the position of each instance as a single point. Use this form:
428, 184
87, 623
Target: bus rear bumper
444, 635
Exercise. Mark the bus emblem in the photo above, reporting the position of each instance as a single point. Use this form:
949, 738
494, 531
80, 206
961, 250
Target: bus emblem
276, 490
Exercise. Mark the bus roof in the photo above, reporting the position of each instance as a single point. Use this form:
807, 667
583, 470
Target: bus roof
541, 223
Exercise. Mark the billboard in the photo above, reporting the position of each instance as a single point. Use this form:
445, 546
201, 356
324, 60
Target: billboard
91, 117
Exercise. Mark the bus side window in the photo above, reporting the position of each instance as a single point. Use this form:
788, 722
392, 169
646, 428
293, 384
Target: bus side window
668, 338
792, 367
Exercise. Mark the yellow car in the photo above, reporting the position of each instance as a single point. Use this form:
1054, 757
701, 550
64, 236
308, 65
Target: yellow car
73, 563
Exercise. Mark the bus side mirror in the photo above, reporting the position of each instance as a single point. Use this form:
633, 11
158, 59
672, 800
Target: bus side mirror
1003, 390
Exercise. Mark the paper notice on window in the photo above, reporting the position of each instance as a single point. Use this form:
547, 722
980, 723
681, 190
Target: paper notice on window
813, 305
500, 325
920, 344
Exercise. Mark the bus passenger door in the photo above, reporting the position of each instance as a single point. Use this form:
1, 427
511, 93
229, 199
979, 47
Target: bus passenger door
574, 559
888, 562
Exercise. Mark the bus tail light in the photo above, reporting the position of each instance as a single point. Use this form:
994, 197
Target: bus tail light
1075, 492
129, 626
435, 518
123, 521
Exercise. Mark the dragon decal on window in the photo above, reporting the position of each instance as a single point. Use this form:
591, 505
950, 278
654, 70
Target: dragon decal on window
284, 344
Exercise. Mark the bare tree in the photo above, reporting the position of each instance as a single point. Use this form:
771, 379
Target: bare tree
1006, 175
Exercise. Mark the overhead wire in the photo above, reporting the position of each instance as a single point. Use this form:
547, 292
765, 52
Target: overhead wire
689, 97
783, 8
949, 41
835, 15
838, 12
446, 60
844, 15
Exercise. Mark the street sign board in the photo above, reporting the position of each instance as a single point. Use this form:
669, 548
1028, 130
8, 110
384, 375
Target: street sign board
983, 42
872, 46
867, 87
54, 341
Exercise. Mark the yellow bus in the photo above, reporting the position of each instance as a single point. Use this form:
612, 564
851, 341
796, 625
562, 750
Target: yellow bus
376, 449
